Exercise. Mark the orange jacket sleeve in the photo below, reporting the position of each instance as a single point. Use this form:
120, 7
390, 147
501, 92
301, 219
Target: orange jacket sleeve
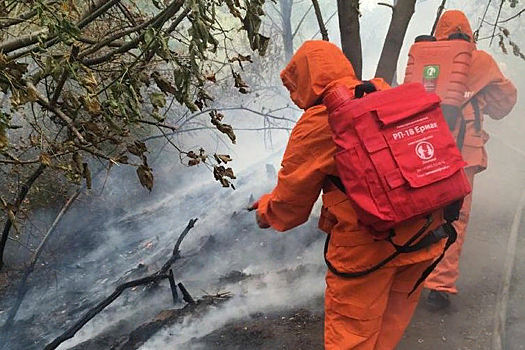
498, 93
308, 158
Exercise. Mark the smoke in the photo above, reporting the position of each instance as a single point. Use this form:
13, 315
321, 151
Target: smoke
271, 293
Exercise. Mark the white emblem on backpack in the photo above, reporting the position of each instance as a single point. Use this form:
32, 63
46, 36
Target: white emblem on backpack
425, 150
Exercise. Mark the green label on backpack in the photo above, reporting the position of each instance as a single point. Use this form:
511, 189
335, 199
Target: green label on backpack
431, 72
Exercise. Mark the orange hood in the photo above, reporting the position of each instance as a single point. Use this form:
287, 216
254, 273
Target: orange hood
453, 21
314, 69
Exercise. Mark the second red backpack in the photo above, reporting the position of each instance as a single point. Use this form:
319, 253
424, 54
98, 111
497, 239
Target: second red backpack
396, 156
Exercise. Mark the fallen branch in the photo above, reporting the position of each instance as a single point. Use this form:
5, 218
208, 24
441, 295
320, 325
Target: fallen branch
153, 278
22, 289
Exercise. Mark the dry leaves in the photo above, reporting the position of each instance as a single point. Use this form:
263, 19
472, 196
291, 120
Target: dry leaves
145, 176
227, 129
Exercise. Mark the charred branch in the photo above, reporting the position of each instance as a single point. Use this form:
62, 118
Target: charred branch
21, 196
173, 287
153, 278
185, 294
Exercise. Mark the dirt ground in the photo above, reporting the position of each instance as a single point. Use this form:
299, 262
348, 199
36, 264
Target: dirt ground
467, 325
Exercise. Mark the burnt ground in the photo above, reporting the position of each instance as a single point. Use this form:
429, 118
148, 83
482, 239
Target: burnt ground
467, 325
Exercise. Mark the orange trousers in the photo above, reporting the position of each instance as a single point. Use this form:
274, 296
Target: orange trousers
371, 312
445, 275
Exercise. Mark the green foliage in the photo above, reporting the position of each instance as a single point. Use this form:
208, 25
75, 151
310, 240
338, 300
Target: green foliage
92, 66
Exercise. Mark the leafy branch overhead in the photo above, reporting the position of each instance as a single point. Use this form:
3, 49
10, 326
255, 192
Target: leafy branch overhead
87, 79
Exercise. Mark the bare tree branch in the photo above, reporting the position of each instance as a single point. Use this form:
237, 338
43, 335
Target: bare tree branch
301, 21
157, 23
512, 17
99, 9
496, 23
319, 16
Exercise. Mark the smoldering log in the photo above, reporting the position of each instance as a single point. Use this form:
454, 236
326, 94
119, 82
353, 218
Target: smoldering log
173, 287
185, 294
153, 278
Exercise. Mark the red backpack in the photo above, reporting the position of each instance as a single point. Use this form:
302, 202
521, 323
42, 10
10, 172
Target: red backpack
397, 159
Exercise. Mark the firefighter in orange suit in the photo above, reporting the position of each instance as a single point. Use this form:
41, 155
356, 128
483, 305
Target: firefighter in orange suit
365, 313
492, 94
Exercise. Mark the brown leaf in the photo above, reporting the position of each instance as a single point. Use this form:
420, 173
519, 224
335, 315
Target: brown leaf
145, 176
32, 94
123, 159
229, 173
12, 217
90, 81
78, 165
239, 83
211, 77
4, 141
224, 128
224, 158
87, 175
45, 159
193, 162
163, 84
138, 148
92, 105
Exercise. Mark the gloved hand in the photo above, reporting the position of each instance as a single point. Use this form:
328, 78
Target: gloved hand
260, 221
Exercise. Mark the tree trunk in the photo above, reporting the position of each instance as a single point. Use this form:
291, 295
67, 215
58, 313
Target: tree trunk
348, 11
286, 15
402, 13
21, 196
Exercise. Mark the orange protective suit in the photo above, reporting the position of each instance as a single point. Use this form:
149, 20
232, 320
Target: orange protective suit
373, 311
495, 96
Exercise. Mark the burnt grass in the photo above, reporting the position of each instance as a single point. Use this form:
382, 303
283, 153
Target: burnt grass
288, 329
